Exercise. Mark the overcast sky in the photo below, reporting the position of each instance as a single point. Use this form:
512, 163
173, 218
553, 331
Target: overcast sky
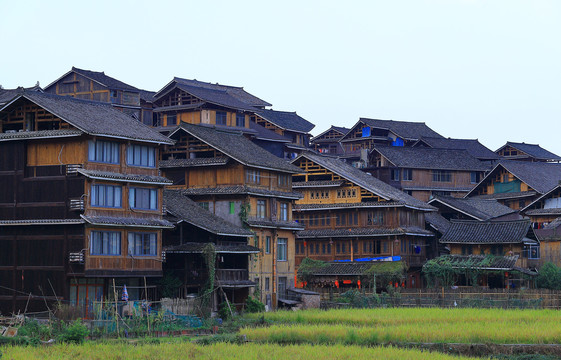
469, 69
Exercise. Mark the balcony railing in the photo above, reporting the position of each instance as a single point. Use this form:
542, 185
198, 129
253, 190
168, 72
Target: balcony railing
232, 274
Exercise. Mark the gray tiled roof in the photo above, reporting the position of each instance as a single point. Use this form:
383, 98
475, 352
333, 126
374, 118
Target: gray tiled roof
216, 96
507, 195
350, 268
429, 158
403, 129
361, 232
324, 183
483, 262
95, 118
479, 209
367, 204
20, 135
147, 95
266, 134
268, 223
533, 150
437, 221
127, 221
189, 211
241, 190
236, 92
472, 146
198, 248
541, 176
183, 163
237, 147
342, 130
488, 232
364, 180
550, 232
100, 77
41, 222
133, 178
287, 120
538, 204
553, 211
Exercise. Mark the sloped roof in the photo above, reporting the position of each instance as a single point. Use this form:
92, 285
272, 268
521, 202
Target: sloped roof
535, 204
93, 118
364, 180
404, 129
237, 92
262, 133
534, 150
242, 190
477, 208
541, 176
130, 178
429, 158
199, 248
437, 221
184, 163
215, 96
472, 146
127, 221
488, 232
190, 212
237, 147
41, 134
483, 262
287, 120
361, 232
147, 95
99, 77
342, 130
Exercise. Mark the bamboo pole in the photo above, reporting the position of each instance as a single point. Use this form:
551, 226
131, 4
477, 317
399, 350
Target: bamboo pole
146, 302
116, 313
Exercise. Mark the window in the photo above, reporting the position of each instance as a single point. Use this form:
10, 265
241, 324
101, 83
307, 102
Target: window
467, 249
253, 176
232, 207
105, 243
282, 249
267, 245
261, 209
142, 244
521, 204
475, 177
284, 180
106, 196
329, 248
140, 155
497, 250
171, 120
281, 287
394, 175
221, 118
283, 211
240, 120
267, 284
534, 252
103, 152
204, 205
141, 198
407, 174
375, 218
338, 247
441, 176
323, 248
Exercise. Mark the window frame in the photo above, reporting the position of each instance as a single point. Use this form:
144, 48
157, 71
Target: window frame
141, 151
407, 174
98, 148
282, 249
95, 191
283, 213
442, 176
240, 117
101, 233
152, 240
261, 209
223, 118
151, 192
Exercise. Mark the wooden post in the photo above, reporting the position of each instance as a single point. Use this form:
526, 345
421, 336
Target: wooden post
146, 302
116, 313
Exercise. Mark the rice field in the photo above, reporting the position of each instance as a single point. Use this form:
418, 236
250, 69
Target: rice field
216, 351
417, 325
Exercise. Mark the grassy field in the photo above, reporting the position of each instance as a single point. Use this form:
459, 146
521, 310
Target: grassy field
419, 325
215, 351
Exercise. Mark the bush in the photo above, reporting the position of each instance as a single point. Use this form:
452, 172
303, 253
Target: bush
76, 332
253, 305
549, 277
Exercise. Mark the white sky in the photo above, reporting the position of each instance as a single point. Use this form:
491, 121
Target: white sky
469, 69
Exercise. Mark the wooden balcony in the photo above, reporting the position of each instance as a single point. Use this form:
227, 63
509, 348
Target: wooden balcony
232, 275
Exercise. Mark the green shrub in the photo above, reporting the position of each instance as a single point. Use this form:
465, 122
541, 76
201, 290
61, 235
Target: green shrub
252, 305
76, 332
549, 277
